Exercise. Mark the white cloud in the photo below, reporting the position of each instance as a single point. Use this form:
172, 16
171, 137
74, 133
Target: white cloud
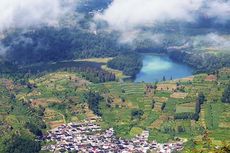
130, 16
219, 9
26, 13
129, 36
212, 40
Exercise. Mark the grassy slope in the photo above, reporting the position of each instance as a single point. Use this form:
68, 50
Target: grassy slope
68, 89
160, 123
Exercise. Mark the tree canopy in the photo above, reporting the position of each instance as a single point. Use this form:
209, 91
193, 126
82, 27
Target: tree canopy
19, 144
226, 95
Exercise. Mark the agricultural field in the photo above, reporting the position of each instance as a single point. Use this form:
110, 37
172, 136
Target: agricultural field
135, 96
60, 97
97, 60
179, 96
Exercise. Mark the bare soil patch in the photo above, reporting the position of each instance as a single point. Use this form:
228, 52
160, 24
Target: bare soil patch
179, 95
211, 78
167, 87
54, 124
185, 79
44, 102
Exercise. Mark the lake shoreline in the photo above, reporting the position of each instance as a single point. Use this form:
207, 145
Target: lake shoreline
161, 67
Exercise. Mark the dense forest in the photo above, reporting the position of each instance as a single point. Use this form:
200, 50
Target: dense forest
19, 144
130, 64
202, 62
57, 44
52, 44
89, 70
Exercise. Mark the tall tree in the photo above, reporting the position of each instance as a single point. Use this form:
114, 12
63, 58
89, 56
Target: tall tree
226, 95
201, 97
153, 103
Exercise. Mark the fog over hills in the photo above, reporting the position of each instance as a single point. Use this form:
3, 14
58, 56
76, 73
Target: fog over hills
114, 76
18, 14
126, 16
133, 17
137, 24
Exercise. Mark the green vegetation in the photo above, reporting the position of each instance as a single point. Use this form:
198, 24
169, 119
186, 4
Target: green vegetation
137, 114
201, 61
19, 144
51, 76
226, 95
54, 44
186, 108
129, 64
93, 100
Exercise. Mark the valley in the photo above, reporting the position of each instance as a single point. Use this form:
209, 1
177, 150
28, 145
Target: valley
166, 109
122, 76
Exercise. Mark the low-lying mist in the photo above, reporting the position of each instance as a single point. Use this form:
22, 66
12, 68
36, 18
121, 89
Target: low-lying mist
37, 30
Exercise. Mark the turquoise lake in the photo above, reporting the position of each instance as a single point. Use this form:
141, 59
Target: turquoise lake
157, 66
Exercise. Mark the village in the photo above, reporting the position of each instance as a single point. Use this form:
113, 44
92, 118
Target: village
89, 137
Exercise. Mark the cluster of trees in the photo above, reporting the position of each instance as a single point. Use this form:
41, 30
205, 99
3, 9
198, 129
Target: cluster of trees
129, 64
34, 129
93, 99
98, 75
184, 116
226, 95
90, 70
18, 144
199, 102
163, 106
55, 44
191, 115
202, 62
137, 113
153, 104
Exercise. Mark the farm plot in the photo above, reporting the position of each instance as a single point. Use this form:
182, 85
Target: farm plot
96, 60
167, 87
44, 102
187, 79
179, 95
225, 117
53, 118
187, 107
157, 123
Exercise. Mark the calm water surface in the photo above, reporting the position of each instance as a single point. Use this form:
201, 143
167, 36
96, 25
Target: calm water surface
157, 66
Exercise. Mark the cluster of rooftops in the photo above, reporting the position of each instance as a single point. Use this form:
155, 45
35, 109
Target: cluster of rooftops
89, 137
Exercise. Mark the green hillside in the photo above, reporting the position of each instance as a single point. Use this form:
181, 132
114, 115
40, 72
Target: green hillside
189, 108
